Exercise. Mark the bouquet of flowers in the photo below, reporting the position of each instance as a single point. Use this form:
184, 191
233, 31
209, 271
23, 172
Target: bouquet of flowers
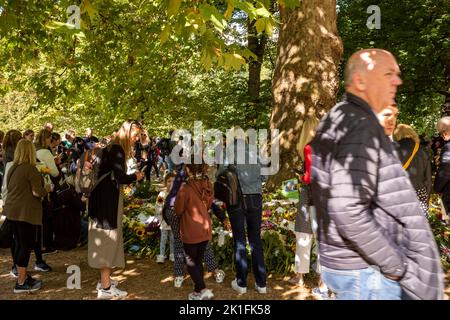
140, 239
45, 173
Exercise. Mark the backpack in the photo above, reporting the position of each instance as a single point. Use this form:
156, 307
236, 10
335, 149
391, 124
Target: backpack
88, 168
227, 187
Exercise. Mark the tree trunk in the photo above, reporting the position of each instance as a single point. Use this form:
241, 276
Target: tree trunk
306, 78
257, 45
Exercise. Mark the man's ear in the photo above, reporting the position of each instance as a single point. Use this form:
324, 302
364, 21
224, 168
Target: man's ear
359, 81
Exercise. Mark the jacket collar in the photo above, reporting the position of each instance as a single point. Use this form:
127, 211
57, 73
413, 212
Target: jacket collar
358, 101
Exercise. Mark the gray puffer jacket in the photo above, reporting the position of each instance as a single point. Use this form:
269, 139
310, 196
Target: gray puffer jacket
367, 209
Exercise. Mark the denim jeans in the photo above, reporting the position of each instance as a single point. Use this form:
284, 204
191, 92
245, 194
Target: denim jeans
170, 163
363, 284
239, 219
166, 235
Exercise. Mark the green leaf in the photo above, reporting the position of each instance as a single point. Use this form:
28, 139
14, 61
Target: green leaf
233, 60
269, 27
165, 34
230, 7
247, 53
263, 12
63, 28
248, 8
260, 25
174, 7
206, 59
92, 12
211, 13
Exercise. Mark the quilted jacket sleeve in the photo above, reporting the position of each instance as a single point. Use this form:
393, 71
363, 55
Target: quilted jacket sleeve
354, 174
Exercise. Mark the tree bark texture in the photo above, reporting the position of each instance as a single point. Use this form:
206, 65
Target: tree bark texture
306, 78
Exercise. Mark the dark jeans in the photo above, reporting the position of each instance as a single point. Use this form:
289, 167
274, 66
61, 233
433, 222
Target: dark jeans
24, 235
148, 169
239, 219
194, 262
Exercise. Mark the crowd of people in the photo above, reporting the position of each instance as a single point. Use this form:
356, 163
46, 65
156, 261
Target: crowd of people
365, 188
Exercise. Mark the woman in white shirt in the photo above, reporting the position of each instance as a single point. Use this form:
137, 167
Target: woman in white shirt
43, 153
46, 159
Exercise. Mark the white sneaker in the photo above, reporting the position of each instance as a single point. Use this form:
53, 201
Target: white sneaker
219, 276
172, 257
178, 282
113, 292
262, 290
160, 258
237, 288
206, 294
114, 283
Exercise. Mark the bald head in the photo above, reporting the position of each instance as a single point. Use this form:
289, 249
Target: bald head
373, 75
363, 61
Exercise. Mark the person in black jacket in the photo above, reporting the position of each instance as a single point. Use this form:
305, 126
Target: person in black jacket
441, 182
374, 241
67, 209
415, 161
105, 207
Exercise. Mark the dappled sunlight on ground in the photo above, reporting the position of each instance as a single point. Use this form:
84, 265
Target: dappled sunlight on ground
143, 279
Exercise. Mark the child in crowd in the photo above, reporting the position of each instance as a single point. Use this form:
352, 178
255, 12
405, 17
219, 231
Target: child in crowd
166, 231
192, 204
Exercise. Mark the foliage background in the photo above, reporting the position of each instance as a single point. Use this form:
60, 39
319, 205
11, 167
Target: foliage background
125, 62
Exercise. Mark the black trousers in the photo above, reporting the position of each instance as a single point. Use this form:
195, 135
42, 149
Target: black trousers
194, 262
48, 225
148, 169
37, 245
24, 235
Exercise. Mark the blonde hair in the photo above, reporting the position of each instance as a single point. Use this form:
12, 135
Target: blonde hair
25, 153
403, 131
308, 132
443, 125
123, 136
41, 138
